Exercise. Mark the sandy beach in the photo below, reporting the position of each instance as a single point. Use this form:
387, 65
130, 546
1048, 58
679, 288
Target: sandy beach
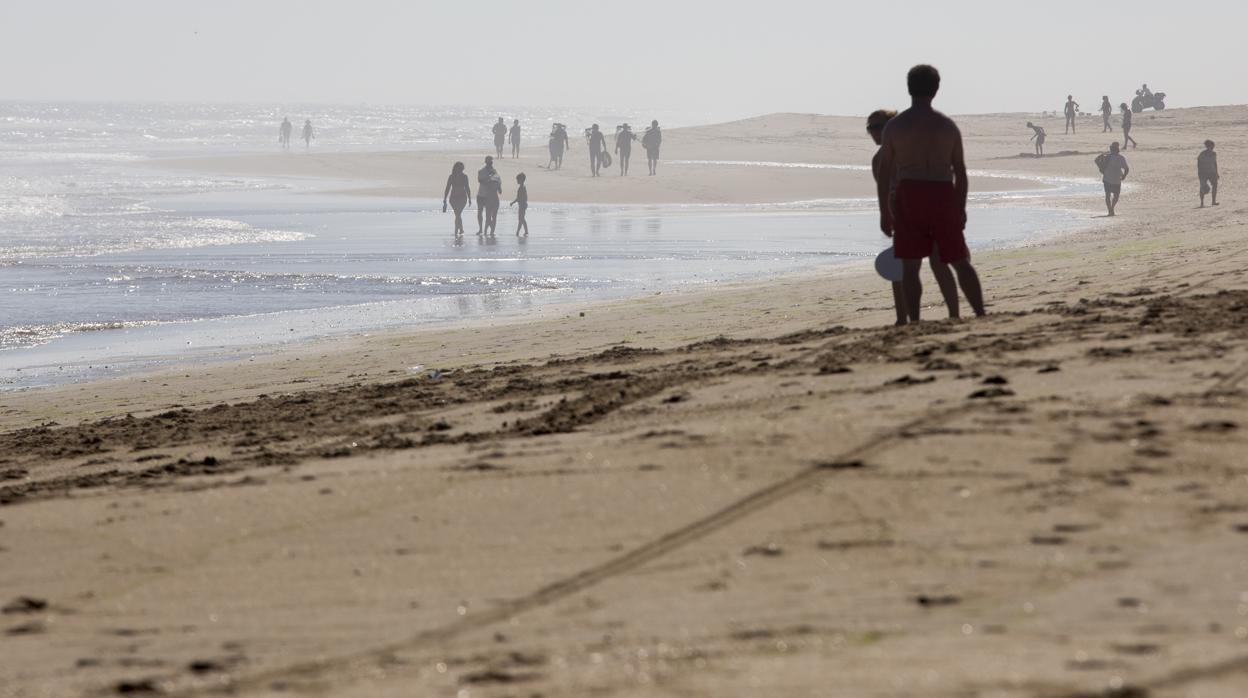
751, 489
744, 162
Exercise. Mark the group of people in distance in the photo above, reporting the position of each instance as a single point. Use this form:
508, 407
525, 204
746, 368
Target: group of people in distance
287, 129
1072, 111
489, 198
1113, 165
559, 143
458, 189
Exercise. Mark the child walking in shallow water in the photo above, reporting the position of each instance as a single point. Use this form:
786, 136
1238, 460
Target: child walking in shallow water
522, 198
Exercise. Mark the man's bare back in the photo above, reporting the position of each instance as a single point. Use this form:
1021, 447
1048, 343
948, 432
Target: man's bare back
923, 144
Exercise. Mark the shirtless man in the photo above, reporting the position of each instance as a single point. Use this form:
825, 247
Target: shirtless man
1072, 109
922, 164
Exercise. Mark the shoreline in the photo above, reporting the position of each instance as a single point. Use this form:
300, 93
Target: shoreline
222, 345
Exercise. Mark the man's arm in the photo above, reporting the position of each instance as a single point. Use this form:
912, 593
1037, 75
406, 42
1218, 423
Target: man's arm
884, 183
959, 170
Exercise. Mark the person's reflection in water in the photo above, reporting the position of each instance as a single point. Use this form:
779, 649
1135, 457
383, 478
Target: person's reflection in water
624, 226
558, 222
654, 225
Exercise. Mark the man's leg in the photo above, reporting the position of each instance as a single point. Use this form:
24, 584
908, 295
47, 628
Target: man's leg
1114, 204
948, 285
899, 303
1214, 186
480, 217
968, 279
1109, 205
912, 287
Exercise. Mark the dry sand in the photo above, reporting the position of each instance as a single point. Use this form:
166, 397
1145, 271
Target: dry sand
759, 490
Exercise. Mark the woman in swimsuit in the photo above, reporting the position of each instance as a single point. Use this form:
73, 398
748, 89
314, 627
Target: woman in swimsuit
459, 191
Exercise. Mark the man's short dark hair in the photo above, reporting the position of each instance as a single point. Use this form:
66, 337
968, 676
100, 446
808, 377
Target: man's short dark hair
923, 81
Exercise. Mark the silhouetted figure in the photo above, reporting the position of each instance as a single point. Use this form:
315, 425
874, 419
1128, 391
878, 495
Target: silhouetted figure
1114, 169
1207, 172
1072, 109
555, 145
489, 193
923, 190
522, 198
1127, 140
500, 136
565, 144
1038, 137
597, 146
651, 140
624, 138
1146, 93
944, 276
307, 134
284, 133
459, 191
875, 127
514, 137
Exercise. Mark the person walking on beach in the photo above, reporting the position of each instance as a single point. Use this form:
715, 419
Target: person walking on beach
1127, 140
307, 134
651, 140
459, 191
514, 137
1207, 172
500, 135
1114, 169
1038, 137
489, 192
597, 144
554, 144
284, 133
624, 138
1072, 109
1107, 110
565, 144
522, 198
923, 190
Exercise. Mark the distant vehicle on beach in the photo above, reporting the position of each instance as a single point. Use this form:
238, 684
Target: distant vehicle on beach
1145, 98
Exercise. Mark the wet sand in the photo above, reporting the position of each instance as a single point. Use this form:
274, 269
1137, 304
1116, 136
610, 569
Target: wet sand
758, 489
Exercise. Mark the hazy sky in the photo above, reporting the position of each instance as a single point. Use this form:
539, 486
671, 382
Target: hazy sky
723, 58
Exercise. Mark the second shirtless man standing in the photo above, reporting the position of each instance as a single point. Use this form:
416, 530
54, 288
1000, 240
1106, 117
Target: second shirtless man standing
922, 165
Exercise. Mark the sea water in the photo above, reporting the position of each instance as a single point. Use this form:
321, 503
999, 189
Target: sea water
108, 265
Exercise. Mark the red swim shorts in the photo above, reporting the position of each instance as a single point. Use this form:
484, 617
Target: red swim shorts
928, 215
